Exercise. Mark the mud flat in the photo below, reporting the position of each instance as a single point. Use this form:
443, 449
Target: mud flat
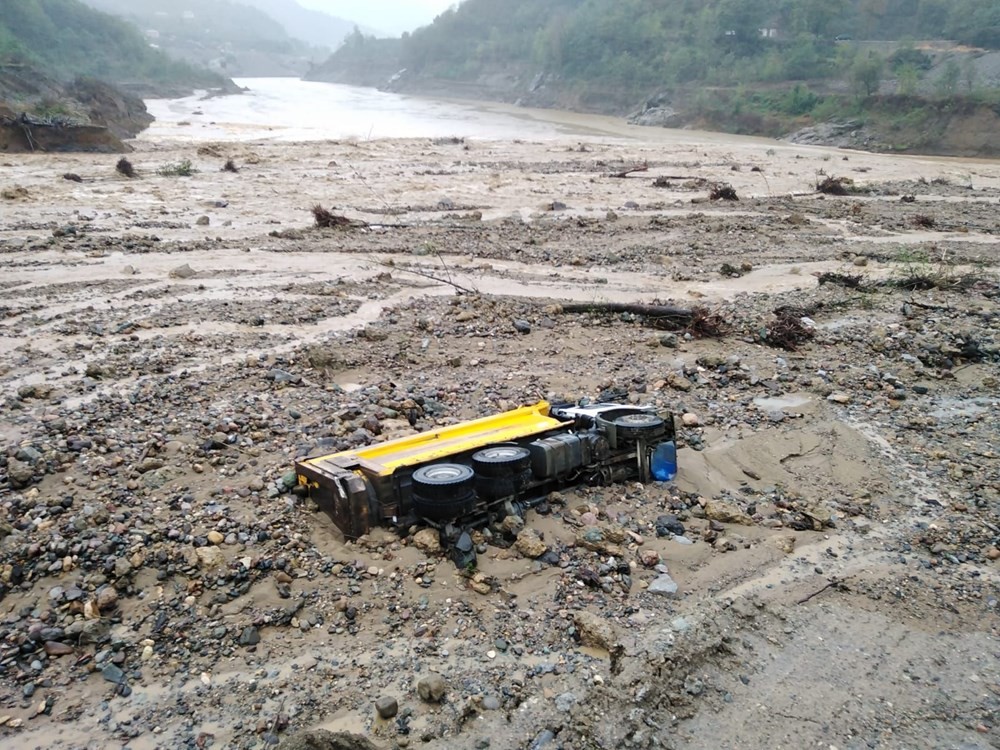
823, 572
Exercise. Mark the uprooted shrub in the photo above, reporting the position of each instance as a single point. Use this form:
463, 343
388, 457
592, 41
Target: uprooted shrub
124, 167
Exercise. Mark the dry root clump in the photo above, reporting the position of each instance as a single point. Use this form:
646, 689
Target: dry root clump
327, 220
707, 324
124, 167
788, 331
835, 186
722, 191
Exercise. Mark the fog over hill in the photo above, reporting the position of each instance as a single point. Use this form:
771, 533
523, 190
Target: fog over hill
385, 16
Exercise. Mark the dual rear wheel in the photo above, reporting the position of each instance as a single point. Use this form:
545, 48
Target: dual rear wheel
446, 491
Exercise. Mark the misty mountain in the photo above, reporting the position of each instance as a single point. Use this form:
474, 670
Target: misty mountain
312, 26
230, 37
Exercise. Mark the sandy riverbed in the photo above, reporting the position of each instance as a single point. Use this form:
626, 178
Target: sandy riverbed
143, 324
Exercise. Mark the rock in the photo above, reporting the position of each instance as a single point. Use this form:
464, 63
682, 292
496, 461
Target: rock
387, 707
596, 538
250, 636
669, 525
650, 558
282, 376
726, 512
53, 648
840, 397
215, 537
664, 585
20, 473
113, 673
565, 702
428, 541
678, 382
210, 558
323, 739
149, 464
29, 455
203, 221
530, 544
432, 688
512, 525
993, 553
183, 272
522, 326
595, 631
690, 420
107, 598
669, 340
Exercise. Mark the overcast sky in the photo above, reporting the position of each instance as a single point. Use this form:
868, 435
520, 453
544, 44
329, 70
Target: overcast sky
394, 16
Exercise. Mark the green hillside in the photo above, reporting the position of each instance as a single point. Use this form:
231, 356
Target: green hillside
760, 67
644, 44
67, 39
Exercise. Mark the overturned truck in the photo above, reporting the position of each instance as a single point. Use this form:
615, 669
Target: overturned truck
475, 473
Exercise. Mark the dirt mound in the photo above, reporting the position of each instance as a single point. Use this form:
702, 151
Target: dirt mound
321, 739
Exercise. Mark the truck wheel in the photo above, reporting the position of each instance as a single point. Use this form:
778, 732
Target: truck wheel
638, 426
501, 460
442, 481
443, 492
501, 470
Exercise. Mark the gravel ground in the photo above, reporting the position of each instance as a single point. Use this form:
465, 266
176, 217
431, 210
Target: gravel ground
823, 572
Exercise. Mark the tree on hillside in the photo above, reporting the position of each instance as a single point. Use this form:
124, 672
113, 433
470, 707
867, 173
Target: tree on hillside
866, 73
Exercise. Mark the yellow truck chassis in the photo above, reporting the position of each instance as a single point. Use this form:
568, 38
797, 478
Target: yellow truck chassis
474, 473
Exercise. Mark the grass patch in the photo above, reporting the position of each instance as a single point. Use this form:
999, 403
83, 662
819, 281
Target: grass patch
178, 169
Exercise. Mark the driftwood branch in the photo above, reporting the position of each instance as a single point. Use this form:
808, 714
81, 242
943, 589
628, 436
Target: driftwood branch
835, 583
428, 275
644, 167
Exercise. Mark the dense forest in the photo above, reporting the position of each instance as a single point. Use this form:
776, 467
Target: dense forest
67, 39
655, 43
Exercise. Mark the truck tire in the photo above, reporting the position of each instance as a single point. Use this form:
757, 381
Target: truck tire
443, 492
501, 460
638, 426
501, 470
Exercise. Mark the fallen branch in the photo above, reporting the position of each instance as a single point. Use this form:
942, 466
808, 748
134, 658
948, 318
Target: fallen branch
644, 167
428, 275
837, 583
849, 281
